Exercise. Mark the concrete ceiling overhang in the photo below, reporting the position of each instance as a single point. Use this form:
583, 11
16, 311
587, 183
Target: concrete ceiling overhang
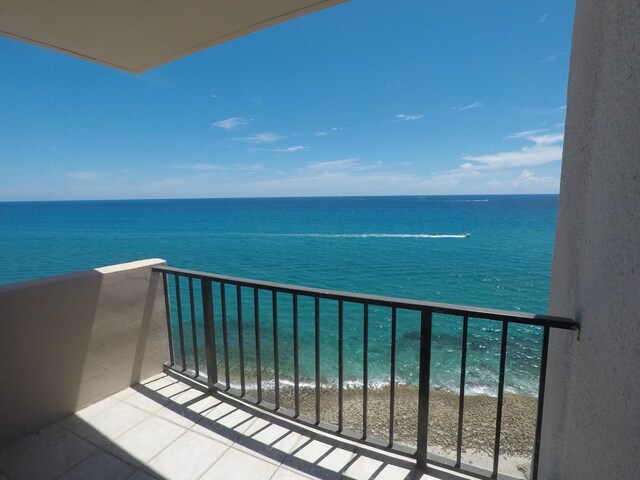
137, 35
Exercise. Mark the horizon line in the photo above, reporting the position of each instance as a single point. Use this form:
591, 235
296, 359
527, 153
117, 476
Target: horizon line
281, 197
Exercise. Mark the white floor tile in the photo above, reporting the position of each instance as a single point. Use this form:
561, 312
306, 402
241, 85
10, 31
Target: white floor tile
122, 394
173, 389
145, 440
142, 475
204, 405
175, 417
240, 466
286, 474
143, 402
363, 468
109, 424
186, 396
336, 460
393, 472
92, 410
188, 457
290, 442
100, 466
312, 451
44, 454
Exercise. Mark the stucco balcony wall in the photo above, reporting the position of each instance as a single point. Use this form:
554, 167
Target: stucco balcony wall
71, 340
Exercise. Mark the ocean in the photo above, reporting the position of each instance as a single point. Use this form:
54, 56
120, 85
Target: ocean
407, 246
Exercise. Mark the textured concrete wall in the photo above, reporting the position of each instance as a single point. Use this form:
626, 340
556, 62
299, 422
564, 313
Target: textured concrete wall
591, 428
69, 341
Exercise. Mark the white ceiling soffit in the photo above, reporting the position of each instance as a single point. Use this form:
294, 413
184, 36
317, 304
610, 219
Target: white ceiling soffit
137, 35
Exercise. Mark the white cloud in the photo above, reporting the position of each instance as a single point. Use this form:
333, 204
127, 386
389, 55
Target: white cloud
550, 59
218, 168
260, 138
546, 148
542, 19
324, 133
405, 117
334, 165
232, 123
296, 148
468, 107
528, 181
85, 176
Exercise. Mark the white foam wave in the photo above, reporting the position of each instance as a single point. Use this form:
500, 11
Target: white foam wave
470, 390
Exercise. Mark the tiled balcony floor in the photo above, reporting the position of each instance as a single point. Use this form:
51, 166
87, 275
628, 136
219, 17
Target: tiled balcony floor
165, 429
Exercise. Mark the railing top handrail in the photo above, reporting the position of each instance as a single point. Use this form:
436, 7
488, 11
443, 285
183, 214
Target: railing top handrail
403, 303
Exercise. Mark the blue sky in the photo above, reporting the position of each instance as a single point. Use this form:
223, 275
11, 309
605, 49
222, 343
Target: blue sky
370, 97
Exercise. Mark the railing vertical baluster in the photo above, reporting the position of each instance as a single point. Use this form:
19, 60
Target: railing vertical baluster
340, 365
392, 377
194, 336
463, 373
543, 375
167, 307
365, 370
183, 356
426, 309
426, 317
240, 339
296, 359
225, 335
503, 358
276, 365
209, 334
256, 318
317, 352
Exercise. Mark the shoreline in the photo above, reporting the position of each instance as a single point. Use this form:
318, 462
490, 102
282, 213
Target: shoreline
478, 433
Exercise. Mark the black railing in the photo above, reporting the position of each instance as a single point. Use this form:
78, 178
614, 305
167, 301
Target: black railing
209, 318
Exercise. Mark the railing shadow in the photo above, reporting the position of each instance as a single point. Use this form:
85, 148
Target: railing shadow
316, 454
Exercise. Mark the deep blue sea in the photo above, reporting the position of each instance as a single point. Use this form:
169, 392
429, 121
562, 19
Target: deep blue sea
405, 246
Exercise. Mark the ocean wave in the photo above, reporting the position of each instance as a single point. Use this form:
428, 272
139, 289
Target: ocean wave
470, 390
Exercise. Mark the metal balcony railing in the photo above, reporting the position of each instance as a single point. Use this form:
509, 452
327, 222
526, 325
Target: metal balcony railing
209, 326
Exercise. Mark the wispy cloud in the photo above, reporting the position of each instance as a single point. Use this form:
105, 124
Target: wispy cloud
541, 19
407, 117
261, 138
233, 123
468, 107
295, 148
547, 147
545, 111
84, 176
324, 133
219, 168
550, 59
335, 165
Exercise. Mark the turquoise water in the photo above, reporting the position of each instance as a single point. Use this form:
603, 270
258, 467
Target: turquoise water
409, 247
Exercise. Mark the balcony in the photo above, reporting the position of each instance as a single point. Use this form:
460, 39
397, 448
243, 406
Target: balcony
237, 394
169, 428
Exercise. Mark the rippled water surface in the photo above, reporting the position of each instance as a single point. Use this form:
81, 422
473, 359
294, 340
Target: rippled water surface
410, 247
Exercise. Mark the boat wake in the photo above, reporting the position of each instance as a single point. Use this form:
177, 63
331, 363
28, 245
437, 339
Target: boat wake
357, 235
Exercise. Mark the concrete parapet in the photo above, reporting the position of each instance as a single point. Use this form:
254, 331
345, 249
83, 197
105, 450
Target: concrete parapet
71, 340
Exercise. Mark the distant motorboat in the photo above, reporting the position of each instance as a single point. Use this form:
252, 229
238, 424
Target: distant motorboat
466, 234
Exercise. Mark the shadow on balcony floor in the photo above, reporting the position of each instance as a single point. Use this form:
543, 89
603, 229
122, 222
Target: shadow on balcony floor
165, 428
